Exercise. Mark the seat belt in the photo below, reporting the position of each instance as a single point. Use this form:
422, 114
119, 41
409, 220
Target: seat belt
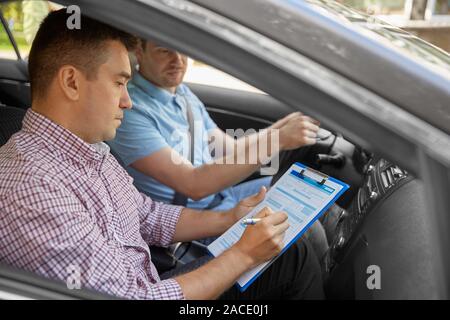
179, 198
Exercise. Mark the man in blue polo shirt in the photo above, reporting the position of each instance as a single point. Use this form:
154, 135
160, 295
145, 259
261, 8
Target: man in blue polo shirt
153, 144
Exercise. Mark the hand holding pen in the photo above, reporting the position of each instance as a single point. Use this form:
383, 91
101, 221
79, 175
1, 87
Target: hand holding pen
263, 240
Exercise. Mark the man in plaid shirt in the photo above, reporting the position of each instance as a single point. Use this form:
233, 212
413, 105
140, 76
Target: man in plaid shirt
65, 202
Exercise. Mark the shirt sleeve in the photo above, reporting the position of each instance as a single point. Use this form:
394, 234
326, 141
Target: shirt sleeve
48, 231
209, 123
158, 220
137, 137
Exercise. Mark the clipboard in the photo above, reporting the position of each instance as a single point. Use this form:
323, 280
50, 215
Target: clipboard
290, 194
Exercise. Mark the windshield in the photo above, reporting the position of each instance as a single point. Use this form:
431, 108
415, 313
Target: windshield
396, 37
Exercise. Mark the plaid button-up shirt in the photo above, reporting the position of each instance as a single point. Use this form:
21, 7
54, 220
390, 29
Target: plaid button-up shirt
67, 208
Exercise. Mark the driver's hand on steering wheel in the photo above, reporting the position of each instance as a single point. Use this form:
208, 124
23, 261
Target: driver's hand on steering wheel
296, 130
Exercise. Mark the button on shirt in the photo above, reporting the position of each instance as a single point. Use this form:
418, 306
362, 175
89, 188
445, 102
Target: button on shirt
158, 119
68, 206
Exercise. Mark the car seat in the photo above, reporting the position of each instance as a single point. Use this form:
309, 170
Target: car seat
10, 122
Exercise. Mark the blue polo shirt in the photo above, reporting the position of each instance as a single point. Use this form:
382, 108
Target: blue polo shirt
158, 119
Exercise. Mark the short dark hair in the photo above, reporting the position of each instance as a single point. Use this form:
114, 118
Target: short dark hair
56, 45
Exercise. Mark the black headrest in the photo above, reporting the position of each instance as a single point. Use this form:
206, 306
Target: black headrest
10, 122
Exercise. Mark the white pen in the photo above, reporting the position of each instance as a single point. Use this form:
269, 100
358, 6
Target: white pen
250, 221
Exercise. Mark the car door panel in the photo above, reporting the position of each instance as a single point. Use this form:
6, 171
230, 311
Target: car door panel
236, 109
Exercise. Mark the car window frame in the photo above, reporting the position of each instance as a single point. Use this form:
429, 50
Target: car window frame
432, 169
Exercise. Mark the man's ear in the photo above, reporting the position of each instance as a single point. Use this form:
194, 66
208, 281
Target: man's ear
69, 79
139, 53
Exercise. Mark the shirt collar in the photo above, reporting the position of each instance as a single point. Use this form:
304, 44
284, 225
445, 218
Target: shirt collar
160, 94
62, 139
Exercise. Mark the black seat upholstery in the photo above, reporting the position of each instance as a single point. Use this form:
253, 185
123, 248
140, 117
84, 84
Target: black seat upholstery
10, 122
